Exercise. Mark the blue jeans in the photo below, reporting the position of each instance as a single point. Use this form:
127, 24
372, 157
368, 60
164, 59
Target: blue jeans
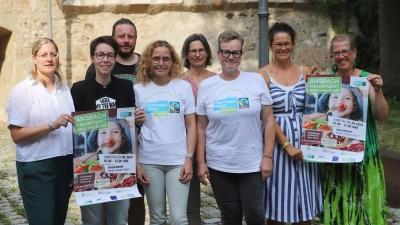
117, 213
240, 194
164, 181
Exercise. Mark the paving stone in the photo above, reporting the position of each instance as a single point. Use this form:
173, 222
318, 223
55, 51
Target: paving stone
212, 221
18, 221
13, 213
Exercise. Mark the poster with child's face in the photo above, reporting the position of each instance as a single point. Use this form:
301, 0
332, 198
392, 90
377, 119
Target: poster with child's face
104, 156
334, 120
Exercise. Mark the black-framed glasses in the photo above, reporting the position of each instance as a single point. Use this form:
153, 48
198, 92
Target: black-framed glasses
157, 59
101, 56
280, 45
227, 53
201, 51
45, 55
344, 52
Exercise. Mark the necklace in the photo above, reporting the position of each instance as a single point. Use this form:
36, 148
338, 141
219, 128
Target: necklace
105, 85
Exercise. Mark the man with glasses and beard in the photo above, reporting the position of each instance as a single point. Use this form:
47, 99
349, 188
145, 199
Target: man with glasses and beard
125, 34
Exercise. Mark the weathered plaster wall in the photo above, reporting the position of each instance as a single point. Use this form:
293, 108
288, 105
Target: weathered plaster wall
76, 22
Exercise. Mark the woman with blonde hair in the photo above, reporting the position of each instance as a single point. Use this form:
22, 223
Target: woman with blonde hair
40, 124
168, 137
231, 107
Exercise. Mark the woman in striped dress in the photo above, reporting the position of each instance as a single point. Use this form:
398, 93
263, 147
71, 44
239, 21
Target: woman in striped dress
293, 192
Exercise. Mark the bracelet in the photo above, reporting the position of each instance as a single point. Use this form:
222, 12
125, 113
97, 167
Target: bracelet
267, 156
287, 143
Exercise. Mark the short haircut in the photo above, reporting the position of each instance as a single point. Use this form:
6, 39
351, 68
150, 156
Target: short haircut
228, 36
186, 46
344, 38
106, 40
123, 21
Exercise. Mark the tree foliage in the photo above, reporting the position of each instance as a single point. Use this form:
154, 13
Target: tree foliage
366, 13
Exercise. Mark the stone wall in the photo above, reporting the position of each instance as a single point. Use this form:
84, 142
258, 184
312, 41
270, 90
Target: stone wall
76, 22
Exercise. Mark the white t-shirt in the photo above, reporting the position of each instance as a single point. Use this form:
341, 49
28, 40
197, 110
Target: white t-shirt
163, 135
233, 136
30, 105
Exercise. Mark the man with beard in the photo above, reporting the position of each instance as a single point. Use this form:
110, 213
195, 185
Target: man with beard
124, 32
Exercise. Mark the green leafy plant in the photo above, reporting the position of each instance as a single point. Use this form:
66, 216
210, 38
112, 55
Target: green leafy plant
366, 13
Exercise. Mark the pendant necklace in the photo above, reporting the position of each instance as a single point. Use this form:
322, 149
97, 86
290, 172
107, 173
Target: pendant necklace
105, 85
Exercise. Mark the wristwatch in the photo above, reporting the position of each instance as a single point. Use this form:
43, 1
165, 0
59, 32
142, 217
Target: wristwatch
190, 156
51, 126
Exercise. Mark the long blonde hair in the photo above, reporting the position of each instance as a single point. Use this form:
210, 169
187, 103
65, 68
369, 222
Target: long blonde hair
35, 48
145, 73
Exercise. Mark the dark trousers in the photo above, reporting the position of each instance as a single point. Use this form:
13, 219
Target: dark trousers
45, 191
193, 207
240, 194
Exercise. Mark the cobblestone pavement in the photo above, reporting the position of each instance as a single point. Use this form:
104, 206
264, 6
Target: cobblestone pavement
11, 207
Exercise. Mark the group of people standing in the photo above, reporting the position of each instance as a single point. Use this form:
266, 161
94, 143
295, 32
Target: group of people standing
238, 130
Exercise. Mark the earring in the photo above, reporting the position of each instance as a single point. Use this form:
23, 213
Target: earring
272, 56
293, 54
334, 69
354, 63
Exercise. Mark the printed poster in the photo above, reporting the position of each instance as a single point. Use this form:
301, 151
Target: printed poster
104, 156
334, 119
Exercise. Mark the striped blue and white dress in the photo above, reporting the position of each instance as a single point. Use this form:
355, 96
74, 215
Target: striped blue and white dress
293, 192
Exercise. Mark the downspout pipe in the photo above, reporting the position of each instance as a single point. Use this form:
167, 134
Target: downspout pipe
263, 14
49, 22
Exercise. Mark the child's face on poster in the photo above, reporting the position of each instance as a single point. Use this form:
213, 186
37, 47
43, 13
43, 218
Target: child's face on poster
343, 103
111, 137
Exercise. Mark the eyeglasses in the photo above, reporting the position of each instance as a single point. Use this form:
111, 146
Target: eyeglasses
227, 53
157, 59
101, 56
280, 45
200, 51
45, 55
344, 52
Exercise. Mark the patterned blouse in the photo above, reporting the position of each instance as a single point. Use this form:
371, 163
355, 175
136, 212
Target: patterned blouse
192, 82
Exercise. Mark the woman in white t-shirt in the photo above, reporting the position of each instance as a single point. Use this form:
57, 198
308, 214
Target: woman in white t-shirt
231, 107
167, 138
39, 120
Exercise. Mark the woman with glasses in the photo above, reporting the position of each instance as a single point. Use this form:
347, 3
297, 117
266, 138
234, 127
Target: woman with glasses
355, 192
230, 108
105, 92
196, 56
168, 137
293, 192
40, 124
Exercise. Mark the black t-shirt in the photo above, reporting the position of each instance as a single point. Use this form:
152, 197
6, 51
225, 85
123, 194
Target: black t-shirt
127, 72
90, 95
105, 96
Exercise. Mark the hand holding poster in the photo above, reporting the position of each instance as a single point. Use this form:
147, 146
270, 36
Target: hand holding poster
104, 156
334, 121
